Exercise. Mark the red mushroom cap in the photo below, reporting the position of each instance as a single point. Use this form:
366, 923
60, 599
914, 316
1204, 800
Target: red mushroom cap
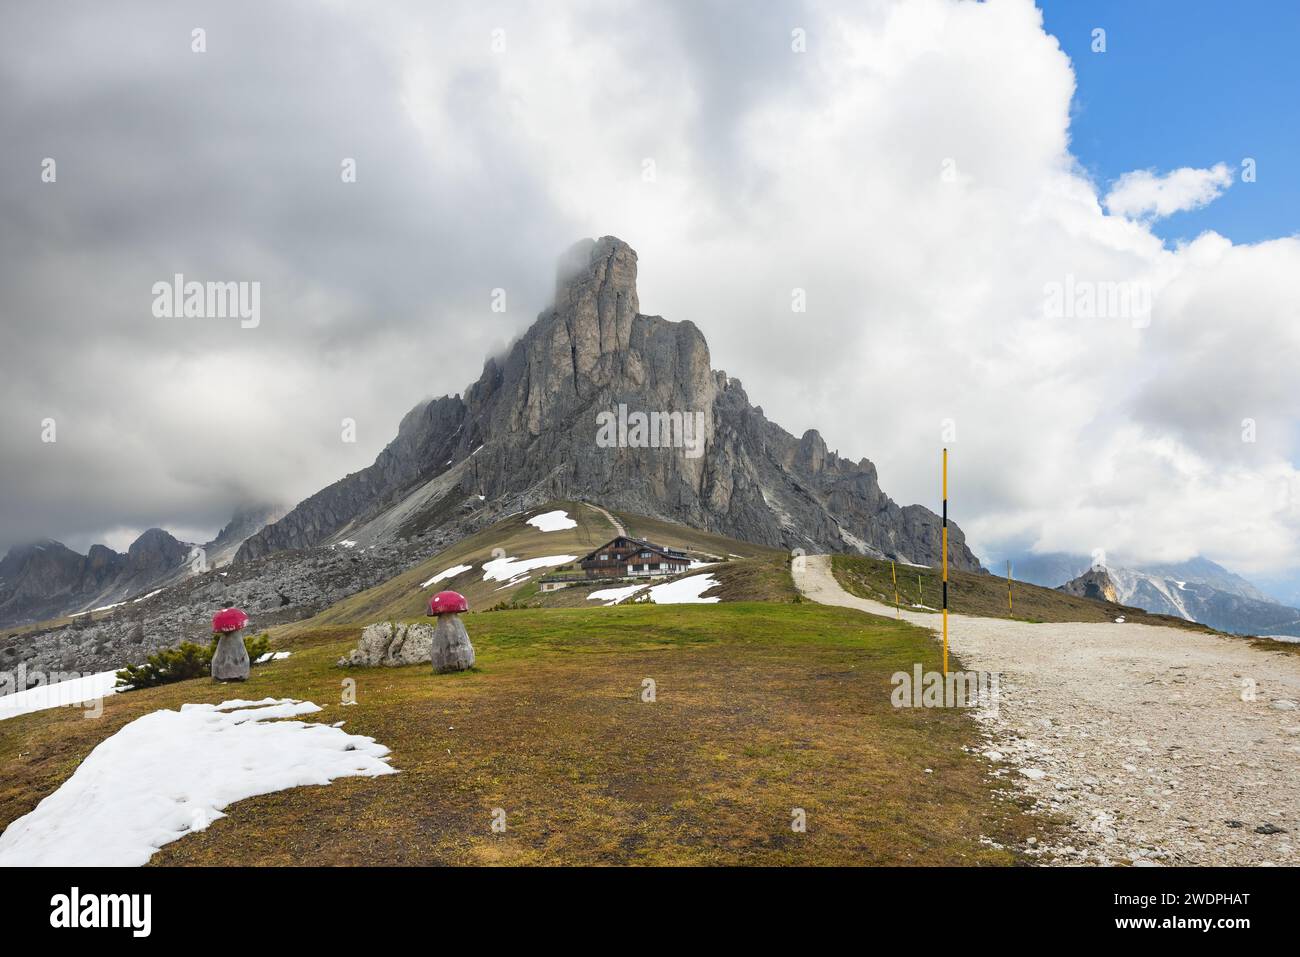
446, 602
229, 619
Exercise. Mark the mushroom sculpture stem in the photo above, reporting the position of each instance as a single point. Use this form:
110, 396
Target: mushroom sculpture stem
451, 649
230, 660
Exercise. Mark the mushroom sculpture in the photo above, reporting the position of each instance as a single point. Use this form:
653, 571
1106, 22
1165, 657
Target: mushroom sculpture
230, 660
451, 649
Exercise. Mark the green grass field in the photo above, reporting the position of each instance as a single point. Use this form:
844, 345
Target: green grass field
761, 708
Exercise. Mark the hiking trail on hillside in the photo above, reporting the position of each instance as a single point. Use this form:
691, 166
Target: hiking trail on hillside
1139, 736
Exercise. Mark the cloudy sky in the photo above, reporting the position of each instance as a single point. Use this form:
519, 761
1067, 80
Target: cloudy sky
930, 173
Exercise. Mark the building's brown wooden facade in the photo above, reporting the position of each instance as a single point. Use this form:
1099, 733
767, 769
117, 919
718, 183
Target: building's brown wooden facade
625, 557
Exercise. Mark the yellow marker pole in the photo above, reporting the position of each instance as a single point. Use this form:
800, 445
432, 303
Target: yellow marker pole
945, 563
1010, 610
894, 575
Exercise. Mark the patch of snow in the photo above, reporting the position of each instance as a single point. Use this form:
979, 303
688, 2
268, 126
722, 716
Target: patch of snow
684, 591
1181, 585
116, 604
144, 597
273, 656
170, 773
612, 596
475, 452
347, 543
73, 691
451, 572
555, 521
504, 569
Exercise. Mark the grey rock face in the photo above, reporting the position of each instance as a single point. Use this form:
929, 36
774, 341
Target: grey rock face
427, 438
230, 660
391, 644
452, 650
528, 429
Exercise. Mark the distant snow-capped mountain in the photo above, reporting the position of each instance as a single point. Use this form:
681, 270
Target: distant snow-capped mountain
46, 579
1197, 590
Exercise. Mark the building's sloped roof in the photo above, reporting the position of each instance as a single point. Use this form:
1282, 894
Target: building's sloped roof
663, 550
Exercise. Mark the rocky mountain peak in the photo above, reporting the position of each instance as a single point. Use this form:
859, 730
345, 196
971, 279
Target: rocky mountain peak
593, 269
529, 430
1095, 583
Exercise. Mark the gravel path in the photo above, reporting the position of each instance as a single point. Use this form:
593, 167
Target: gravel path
1157, 745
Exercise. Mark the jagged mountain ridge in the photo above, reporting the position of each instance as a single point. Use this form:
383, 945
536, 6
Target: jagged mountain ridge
527, 430
46, 579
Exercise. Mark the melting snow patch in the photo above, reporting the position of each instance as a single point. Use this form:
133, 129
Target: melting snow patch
273, 656
555, 521
451, 572
684, 591
74, 691
504, 569
144, 597
347, 543
173, 772
612, 596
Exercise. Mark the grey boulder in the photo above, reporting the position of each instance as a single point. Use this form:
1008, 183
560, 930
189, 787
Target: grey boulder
390, 644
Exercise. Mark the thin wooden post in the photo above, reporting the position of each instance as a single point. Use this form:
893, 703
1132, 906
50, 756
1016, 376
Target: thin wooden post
894, 575
945, 563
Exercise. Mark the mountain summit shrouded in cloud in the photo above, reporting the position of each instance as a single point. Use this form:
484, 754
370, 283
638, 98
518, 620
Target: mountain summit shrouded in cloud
809, 205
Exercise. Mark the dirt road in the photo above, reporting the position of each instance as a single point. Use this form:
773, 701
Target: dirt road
1158, 745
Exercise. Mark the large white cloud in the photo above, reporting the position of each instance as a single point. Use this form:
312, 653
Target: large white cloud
910, 171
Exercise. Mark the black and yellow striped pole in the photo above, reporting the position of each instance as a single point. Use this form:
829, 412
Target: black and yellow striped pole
893, 573
1010, 610
945, 563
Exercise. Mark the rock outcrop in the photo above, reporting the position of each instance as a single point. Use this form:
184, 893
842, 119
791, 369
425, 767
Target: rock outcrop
1095, 583
530, 429
391, 644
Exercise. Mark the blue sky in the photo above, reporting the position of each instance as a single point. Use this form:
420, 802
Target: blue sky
1191, 83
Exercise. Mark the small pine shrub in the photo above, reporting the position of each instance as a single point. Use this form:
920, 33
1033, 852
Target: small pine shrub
257, 646
186, 660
